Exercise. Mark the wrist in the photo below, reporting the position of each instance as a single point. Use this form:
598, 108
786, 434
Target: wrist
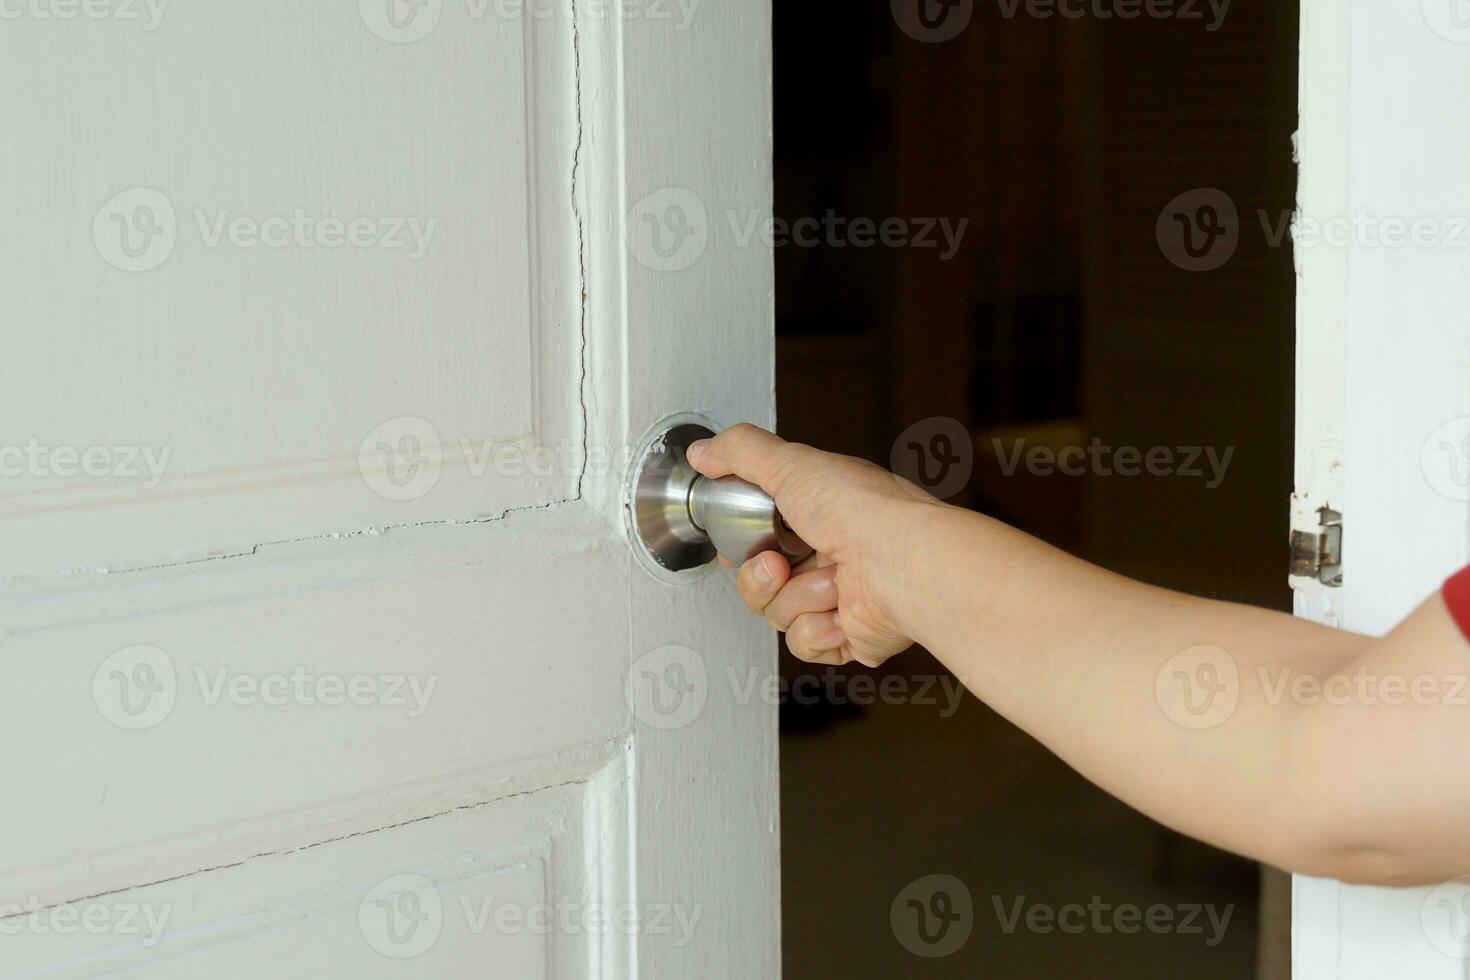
922, 545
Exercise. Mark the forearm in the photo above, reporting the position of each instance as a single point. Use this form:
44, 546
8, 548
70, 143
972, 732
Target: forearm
1189, 710
1193, 711
1088, 662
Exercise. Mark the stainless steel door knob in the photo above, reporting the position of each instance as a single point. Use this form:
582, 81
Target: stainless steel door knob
682, 520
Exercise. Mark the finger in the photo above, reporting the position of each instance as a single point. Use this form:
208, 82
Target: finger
812, 592
815, 634
832, 658
761, 578
748, 452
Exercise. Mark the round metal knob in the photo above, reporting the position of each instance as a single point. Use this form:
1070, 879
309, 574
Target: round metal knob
682, 520
742, 520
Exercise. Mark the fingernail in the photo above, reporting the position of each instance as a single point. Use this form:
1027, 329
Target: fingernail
696, 449
763, 571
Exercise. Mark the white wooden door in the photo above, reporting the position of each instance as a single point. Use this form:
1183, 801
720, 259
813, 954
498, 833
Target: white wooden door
1384, 390
328, 329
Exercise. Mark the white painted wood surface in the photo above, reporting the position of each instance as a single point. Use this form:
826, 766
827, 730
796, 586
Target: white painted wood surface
376, 616
1384, 389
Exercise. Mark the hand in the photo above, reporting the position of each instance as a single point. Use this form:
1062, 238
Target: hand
845, 603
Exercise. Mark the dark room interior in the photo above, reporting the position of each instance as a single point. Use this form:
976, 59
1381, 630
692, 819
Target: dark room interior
1054, 313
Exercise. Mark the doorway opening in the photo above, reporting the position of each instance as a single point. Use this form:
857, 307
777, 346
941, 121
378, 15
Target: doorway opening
1008, 238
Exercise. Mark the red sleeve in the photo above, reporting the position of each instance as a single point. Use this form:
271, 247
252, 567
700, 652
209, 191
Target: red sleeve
1457, 597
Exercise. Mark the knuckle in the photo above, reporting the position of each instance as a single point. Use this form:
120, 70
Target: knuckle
739, 432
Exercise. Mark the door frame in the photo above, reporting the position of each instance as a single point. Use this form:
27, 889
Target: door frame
1382, 360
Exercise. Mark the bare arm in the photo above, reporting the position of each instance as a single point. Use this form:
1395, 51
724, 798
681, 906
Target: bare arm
1315, 750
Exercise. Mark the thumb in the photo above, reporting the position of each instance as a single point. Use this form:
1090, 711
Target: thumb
748, 452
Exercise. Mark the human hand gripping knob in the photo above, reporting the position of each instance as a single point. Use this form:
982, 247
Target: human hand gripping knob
847, 602
1081, 659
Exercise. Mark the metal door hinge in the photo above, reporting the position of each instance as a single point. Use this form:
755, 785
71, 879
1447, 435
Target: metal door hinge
1319, 555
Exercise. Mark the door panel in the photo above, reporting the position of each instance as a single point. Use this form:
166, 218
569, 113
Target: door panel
361, 303
378, 616
477, 891
309, 672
